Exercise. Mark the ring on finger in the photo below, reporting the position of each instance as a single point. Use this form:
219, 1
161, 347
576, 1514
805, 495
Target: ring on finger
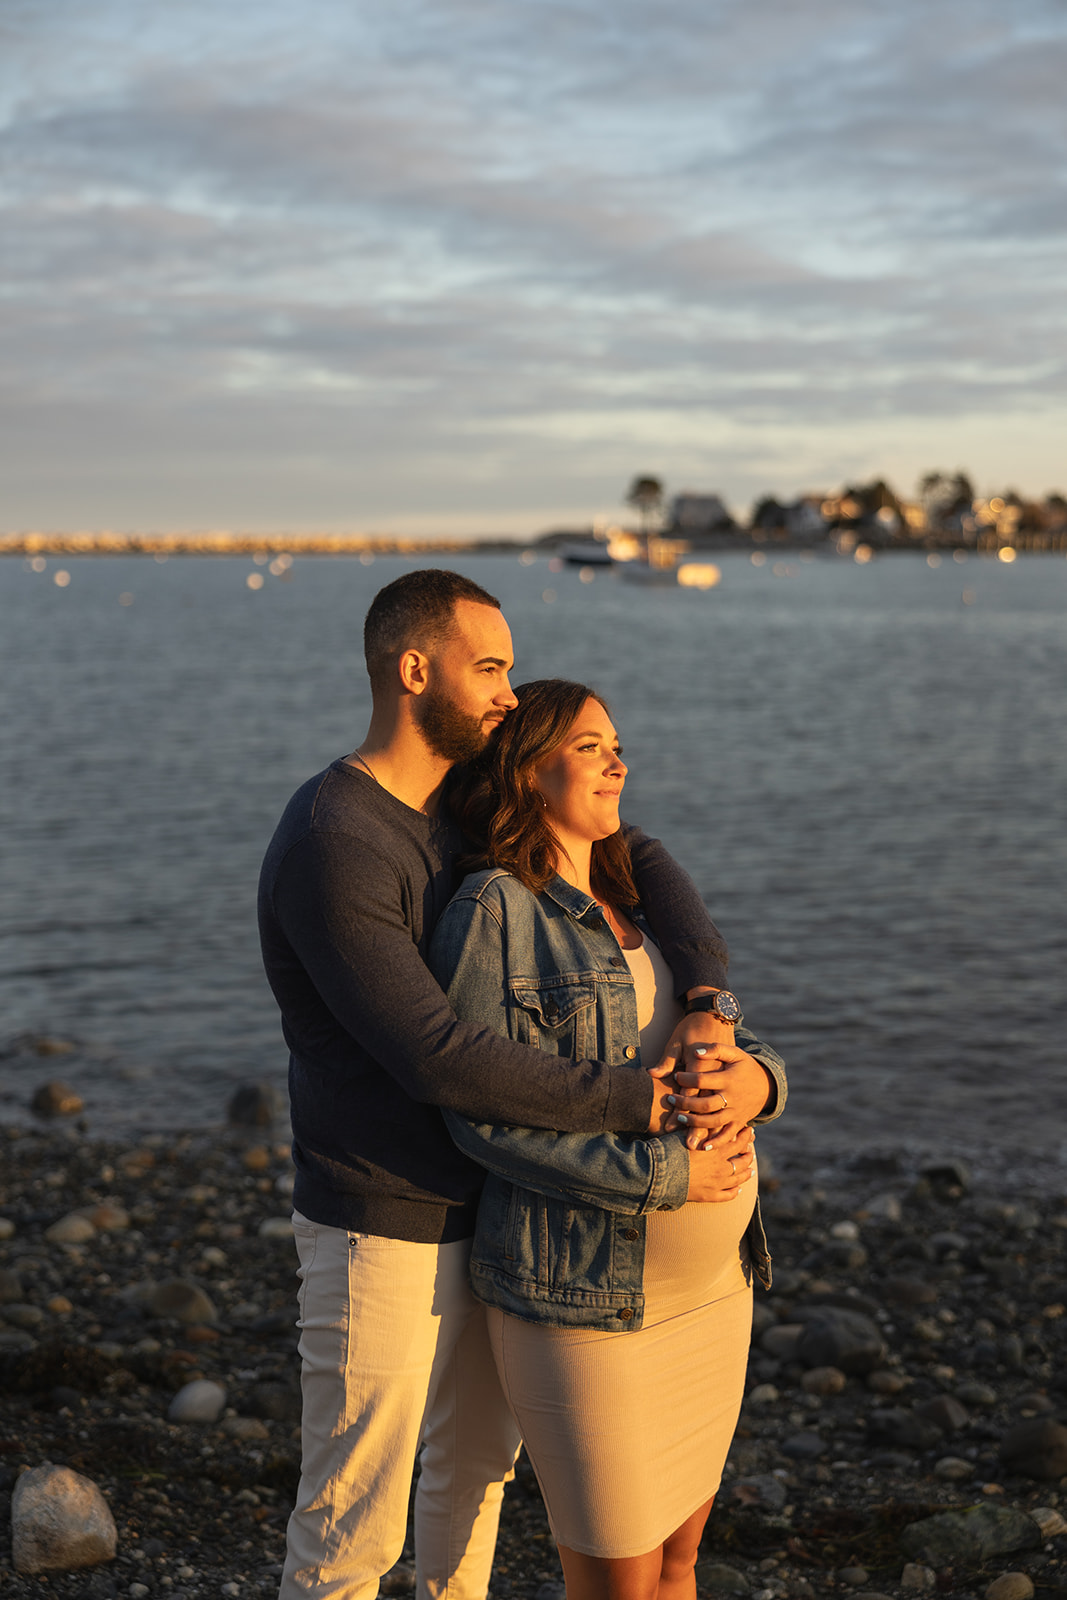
725, 1102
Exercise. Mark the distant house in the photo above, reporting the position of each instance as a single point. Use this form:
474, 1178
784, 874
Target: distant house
694, 514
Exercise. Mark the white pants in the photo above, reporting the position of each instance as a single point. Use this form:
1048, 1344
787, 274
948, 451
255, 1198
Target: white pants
394, 1351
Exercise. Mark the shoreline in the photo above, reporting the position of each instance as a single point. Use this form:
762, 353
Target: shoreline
830, 1463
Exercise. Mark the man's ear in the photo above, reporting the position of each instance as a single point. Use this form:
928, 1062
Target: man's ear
413, 671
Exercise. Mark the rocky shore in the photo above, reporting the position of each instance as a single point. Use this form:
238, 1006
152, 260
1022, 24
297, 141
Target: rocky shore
902, 1434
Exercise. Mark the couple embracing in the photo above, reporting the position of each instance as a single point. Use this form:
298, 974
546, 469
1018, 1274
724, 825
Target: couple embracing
518, 1216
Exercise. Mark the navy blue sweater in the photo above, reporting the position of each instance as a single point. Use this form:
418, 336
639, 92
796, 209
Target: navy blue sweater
351, 887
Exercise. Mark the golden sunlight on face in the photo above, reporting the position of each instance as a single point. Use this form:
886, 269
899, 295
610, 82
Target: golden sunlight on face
582, 780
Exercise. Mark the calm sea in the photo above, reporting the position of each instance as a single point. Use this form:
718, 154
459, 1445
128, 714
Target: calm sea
863, 770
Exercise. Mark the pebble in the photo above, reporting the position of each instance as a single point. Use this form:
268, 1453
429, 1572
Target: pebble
944, 1412
1049, 1520
198, 1401
915, 1576
719, 1579
974, 1393
72, 1229
953, 1469
253, 1105
246, 1429
764, 1394
7, 1228
56, 1100
59, 1522
844, 1339
182, 1300
1036, 1448
781, 1340
853, 1576
1010, 1586
823, 1381
276, 1228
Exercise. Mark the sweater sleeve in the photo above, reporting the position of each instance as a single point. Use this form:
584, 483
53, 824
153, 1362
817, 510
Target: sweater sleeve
336, 925
692, 945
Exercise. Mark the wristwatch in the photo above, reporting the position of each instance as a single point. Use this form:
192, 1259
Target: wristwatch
721, 1004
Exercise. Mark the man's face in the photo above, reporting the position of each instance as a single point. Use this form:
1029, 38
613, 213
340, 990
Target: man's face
468, 693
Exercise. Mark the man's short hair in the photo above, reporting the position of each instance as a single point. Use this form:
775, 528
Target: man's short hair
417, 612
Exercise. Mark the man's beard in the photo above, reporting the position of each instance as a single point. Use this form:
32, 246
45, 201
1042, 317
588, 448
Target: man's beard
452, 734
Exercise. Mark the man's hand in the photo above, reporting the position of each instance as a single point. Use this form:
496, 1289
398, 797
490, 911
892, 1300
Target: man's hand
720, 1172
726, 1091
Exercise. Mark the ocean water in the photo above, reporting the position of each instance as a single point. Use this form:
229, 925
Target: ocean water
864, 774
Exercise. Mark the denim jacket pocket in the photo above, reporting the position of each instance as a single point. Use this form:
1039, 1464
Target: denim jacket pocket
556, 1014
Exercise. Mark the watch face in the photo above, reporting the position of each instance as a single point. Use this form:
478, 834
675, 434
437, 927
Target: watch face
726, 1004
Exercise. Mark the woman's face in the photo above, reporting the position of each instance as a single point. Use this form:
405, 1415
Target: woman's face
582, 779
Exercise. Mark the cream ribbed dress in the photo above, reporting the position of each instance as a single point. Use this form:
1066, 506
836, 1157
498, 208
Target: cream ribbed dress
628, 1432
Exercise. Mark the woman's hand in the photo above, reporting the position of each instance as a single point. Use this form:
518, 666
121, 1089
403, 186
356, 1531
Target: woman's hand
725, 1092
720, 1170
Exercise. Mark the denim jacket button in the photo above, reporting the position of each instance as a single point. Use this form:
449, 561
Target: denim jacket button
626, 1314
616, 961
629, 1052
631, 1233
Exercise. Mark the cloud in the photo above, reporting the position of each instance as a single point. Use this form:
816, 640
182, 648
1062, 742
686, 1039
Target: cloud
487, 251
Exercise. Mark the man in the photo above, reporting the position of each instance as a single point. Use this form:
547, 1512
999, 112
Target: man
393, 1345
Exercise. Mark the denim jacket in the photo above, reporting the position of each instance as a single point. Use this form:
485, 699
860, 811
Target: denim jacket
560, 1237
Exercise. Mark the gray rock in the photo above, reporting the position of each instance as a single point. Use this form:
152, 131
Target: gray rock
804, 1447
10, 1286
1036, 1448
971, 1537
950, 1173
973, 1393
182, 1300
553, 1590
7, 1228
905, 1291
853, 1576
844, 1339
23, 1316
278, 1402
719, 1579
903, 1429
254, 1105
917, 1577
198, 1401
59, 1522
944, 1412
761, 1492
781, 1340
1010, 1586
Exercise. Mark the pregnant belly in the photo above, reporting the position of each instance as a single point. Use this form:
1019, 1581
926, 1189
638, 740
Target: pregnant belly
696, 1255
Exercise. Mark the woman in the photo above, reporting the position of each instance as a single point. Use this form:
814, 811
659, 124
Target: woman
605, 1289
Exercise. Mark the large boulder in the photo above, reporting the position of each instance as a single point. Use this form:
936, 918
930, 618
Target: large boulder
59, 1522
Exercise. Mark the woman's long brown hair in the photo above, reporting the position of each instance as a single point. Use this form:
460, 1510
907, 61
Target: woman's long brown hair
503, 815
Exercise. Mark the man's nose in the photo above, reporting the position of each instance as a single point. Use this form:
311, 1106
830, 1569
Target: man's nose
507, 697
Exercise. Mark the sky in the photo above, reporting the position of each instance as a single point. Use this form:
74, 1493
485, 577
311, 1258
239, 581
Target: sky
468, 267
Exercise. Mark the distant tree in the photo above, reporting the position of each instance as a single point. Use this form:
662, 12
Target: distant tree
768, 514
944, 495
646, 496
